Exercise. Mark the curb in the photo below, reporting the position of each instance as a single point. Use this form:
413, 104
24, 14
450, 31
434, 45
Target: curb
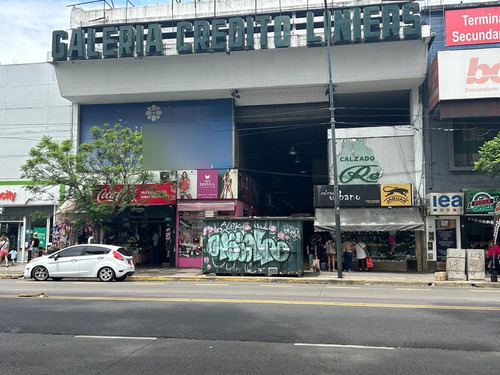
295, 280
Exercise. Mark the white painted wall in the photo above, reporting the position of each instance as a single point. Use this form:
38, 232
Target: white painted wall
30, 107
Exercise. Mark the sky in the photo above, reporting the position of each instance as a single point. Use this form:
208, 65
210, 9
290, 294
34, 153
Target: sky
26, 26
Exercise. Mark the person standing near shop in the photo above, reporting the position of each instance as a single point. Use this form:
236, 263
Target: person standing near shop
312, 251
33, 246
154, 251
330, 253
493, 254
348, 250
361, 254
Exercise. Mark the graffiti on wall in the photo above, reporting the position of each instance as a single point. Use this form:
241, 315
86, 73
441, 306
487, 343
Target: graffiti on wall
246, 246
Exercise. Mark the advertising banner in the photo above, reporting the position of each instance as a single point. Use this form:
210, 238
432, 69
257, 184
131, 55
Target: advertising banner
187, 184
146, 194
469, 74
17, 195
496, 224
481, 201
207, 181
349, 196
42, 235
472, 26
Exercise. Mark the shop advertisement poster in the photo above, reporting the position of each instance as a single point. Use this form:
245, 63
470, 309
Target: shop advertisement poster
446, 237
42, 236
145, 194
349, 196
208, 183
228, 183
481, 201
187, 184
396, 195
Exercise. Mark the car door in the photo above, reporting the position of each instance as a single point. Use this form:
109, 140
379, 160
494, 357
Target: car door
92, 256
66, 263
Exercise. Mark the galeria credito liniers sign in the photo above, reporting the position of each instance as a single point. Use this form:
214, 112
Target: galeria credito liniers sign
355, 25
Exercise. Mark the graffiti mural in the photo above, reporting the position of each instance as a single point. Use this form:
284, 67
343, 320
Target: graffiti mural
252, 246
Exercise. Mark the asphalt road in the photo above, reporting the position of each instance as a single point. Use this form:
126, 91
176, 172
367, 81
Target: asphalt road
87, 327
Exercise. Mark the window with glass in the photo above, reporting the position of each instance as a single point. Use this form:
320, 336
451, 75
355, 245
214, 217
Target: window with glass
191, 232
468, 136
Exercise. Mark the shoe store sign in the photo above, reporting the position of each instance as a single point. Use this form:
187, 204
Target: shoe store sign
384, 195
355, 25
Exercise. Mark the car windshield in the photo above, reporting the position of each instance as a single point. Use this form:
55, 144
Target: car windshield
125, 251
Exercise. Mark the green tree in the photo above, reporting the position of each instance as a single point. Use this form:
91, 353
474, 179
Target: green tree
114, 157
489, 158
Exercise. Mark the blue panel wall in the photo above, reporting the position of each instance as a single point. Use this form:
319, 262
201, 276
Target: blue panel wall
176, 135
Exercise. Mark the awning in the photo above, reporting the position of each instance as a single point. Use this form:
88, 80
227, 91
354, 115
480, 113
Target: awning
369, 219
215, 205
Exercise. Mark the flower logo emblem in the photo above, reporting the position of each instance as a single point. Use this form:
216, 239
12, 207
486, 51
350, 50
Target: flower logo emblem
153, 113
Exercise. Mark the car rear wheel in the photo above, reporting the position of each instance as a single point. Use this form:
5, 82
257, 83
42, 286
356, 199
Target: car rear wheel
106, 274
40, 273
121, 278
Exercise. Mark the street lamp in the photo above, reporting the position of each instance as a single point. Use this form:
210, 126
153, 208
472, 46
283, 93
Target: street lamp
338, 241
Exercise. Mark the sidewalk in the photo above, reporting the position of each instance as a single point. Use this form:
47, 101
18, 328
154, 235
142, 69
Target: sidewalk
151, 273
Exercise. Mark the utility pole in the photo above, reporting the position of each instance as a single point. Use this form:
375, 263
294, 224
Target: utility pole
338, 240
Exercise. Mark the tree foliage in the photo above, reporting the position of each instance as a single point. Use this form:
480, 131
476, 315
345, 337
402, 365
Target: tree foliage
113, 157
489, 158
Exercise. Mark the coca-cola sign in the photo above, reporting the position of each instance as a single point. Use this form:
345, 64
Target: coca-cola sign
146, 194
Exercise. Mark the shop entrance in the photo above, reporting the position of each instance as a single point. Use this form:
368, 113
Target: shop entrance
284, 147
146, 231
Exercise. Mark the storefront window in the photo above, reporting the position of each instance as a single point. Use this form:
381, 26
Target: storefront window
190, 234
191, 231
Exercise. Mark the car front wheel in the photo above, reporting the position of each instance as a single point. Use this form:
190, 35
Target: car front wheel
40, 273
106, 274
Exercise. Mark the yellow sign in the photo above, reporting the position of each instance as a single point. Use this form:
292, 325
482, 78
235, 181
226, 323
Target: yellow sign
395, 195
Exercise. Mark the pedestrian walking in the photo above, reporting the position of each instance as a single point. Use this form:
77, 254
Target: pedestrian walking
330, 253
4, 249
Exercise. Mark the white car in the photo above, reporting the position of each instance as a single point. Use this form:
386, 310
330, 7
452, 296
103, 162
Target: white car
107, 262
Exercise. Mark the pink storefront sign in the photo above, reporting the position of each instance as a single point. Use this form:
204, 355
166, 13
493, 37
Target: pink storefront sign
207, 184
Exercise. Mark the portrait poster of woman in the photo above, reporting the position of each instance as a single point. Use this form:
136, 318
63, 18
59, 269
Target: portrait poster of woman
186, 184
228, 184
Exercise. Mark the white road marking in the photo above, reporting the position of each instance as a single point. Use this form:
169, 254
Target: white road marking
210, 284
116, 337
276, 286
345, 346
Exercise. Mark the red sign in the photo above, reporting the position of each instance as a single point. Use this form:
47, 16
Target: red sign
472, 26
145, 194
